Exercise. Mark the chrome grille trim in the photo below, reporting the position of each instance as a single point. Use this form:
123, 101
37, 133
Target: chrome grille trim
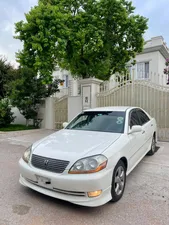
31, 181
74, 193
52, 165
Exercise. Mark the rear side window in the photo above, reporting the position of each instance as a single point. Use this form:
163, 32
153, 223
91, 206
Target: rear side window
134, 119
143, 117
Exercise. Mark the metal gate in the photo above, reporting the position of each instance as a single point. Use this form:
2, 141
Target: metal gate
61, 112
151, 97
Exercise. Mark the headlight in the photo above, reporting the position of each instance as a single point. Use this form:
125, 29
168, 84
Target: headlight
89, 165
27, 154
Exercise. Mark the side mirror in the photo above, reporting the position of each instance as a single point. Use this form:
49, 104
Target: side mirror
65, 124
135, 129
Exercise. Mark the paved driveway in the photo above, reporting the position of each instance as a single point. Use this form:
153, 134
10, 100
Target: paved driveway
145, 201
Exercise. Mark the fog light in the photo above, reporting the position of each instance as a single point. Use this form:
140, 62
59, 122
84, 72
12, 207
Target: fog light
92, 194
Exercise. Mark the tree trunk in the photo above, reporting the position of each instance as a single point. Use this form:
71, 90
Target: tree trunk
34, 122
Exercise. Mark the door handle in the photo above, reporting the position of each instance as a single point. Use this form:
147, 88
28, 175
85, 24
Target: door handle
143, 132
151, 125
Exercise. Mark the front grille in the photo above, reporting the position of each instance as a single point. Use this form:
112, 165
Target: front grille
53, 165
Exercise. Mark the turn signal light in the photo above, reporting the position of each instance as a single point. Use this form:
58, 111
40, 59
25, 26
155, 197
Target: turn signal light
94, 193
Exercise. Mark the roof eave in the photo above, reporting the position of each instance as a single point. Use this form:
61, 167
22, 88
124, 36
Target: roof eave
159, 48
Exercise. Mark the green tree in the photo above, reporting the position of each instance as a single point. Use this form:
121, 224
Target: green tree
6, 116
91, 38
28, 91
7, 74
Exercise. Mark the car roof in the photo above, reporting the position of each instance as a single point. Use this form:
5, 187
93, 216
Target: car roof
111, 108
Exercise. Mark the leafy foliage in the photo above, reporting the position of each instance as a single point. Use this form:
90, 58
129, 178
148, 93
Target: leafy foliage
28, 91
7, 74
166, 70
6, 116
91, 38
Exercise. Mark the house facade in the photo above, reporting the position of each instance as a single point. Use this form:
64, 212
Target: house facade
150, 63
69, 82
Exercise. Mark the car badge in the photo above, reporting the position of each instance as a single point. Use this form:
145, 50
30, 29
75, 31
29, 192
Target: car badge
46, 161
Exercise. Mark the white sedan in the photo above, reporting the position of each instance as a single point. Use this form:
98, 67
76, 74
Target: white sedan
87, 162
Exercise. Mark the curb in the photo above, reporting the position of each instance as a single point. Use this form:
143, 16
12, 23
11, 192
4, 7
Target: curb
19, 133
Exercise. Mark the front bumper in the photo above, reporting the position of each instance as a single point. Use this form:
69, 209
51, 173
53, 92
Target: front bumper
69, 187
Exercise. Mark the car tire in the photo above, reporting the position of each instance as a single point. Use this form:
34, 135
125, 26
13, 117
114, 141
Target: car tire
153, 147
118, 181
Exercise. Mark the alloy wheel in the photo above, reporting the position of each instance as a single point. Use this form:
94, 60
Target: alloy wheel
119, 180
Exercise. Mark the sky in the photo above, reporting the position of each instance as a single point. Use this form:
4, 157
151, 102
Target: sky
12, 11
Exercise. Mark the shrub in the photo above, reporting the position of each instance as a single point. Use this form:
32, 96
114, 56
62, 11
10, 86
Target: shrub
6, 116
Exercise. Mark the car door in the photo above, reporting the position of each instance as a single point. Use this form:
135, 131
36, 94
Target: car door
136, 140
147, 127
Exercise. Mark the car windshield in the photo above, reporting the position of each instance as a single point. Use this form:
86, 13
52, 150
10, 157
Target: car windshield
99, 121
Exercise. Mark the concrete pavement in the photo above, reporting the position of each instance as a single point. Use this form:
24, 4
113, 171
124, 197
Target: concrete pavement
145, 201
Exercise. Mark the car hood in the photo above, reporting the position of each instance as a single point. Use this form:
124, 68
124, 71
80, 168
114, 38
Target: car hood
74, 144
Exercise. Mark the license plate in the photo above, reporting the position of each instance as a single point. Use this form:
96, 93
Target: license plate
43, 180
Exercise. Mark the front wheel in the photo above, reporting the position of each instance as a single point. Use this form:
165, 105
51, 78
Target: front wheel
118, 181
153, 147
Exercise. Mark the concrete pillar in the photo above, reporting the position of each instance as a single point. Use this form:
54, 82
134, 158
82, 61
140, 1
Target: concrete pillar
89, 88
74, 106
49, 113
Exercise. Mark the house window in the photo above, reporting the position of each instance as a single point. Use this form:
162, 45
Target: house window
66, 78
143, 70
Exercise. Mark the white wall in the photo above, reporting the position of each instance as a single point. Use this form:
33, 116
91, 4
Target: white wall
161, 66
19, 117
74, 106
21, 120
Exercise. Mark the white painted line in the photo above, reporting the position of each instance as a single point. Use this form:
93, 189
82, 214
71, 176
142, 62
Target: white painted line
18, 140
